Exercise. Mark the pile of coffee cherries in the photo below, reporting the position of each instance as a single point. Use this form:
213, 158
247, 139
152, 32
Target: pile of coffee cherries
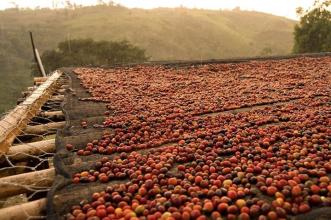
155, 91
145, 134
182, 156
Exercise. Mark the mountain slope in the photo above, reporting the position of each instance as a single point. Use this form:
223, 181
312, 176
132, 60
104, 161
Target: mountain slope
166, 34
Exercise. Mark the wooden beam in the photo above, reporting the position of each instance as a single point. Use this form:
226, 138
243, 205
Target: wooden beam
16, 120
44, 128
24, 211
22, 151
26, 182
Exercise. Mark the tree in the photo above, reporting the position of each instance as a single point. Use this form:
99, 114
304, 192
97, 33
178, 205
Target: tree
87, 52
313, 33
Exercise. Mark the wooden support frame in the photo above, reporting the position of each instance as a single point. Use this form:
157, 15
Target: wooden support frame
16, 120
22, 183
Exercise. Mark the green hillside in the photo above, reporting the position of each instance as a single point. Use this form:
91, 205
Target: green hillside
166, 34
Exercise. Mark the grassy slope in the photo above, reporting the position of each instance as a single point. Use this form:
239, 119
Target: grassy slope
166, 34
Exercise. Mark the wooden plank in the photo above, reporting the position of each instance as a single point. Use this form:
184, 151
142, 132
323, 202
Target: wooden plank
25, 182
24, 211
16, 120
22, 151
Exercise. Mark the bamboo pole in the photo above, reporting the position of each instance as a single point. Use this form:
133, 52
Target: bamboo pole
22, 151
25, 182
23, 211
44, 128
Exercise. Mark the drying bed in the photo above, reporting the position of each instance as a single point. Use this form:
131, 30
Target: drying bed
247, 140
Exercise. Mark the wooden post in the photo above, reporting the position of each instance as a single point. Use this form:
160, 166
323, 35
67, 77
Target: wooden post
25, 182
22, 151
40, 63
24, 211
37, 57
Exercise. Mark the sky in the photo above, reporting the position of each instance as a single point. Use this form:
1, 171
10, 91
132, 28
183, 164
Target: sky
286, 8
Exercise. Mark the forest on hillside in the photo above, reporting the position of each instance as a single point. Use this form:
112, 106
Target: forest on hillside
165, 34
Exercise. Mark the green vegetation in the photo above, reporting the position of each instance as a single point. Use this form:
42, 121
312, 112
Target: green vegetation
313, 33
84, 52
165, 34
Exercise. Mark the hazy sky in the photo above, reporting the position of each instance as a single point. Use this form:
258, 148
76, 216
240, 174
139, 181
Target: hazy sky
278, 7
